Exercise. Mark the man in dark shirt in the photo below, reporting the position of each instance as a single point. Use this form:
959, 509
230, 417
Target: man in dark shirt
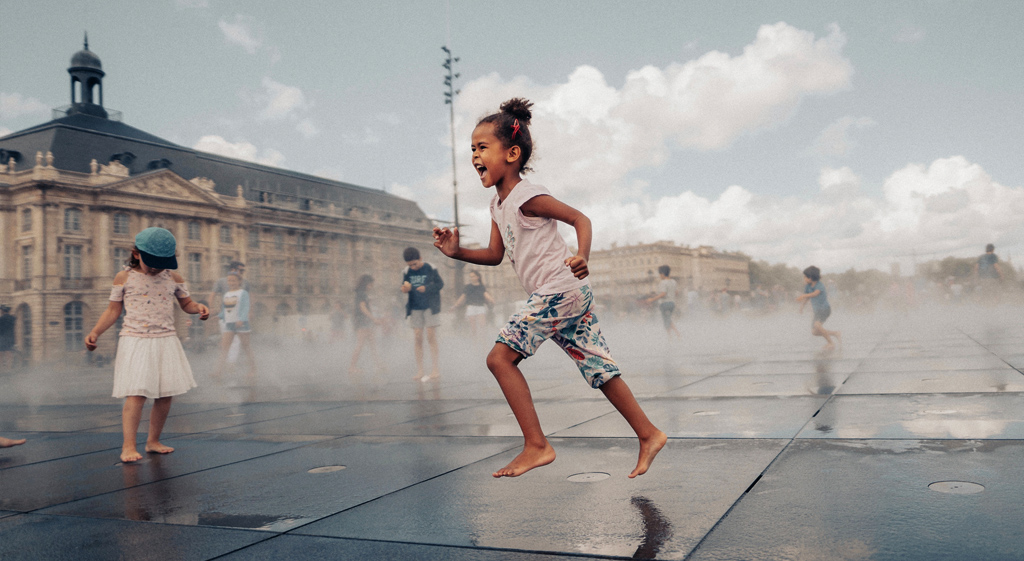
989, 275
423, 284
7, 322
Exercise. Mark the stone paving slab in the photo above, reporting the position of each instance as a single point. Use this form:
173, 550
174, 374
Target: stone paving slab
32, 537
917, 416
286, 495
980, 362
762, 385
858, 499
54, 446
818, 366
720, 417
496, 419
354, 418
30, 487
225, 416
311, 548
934, 381
662, 514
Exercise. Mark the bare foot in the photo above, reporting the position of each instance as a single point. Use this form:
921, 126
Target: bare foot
158, 448
419, 375
434, 375
648, 450
129, 455
529, 458
7, 442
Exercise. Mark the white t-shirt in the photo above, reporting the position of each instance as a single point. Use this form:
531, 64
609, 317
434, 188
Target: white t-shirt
668, 286
532, 244
231, 301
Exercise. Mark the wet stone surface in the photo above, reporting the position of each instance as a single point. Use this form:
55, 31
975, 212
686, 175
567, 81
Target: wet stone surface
908, 443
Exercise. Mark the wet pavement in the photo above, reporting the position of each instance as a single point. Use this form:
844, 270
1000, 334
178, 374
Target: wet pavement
908, 443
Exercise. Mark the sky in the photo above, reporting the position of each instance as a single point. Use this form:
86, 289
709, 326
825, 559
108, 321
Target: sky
841, 134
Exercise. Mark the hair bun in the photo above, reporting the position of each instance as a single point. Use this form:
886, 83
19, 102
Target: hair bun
518, 108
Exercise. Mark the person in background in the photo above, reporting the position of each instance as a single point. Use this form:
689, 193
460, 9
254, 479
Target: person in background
477, 299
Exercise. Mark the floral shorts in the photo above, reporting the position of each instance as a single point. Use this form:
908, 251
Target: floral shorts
567, 320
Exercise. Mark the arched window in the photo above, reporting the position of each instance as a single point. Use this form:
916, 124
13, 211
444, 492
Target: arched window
72, 220
73, 338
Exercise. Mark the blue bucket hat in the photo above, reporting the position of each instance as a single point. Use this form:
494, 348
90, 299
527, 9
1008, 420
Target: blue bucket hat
156, 248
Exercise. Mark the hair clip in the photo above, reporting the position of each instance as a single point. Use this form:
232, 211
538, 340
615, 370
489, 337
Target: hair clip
515, 129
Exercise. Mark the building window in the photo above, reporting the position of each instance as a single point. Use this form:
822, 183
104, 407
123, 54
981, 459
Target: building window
325, 278
120, 259
73, 326
195, 268
279, 283
279, 240
72, 220
26, 262
225, 264
254, 238
194, 232
72, 262
25, 314
302, 272
322, 244
225, 235
301, 242
120, 224
253, 273
26, 220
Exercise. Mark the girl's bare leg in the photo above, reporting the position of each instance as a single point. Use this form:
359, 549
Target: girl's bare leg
353, 366
246, 343
435, 371
417, 336
652, 440
503, 363
157, 418
222, 360
131, 414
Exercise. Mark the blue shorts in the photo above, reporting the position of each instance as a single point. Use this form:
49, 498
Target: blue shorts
566, 319
821, 315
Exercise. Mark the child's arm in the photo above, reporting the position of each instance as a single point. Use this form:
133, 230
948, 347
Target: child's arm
458, 302
186, 303
448, 242
107, 318
547, 206
488, 298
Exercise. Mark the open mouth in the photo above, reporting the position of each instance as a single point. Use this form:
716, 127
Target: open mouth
480, 170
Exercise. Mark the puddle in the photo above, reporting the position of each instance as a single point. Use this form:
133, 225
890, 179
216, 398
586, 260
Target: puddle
705, 413
326, 469
250, 521
588, 477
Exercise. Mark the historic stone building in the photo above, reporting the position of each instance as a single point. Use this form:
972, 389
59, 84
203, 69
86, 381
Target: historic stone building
75, 190
623, 274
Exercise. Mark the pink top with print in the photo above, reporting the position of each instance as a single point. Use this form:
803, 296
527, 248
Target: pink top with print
149, 302
533, 245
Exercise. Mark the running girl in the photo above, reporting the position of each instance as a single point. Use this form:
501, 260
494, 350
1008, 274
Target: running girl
150, 362
524, 227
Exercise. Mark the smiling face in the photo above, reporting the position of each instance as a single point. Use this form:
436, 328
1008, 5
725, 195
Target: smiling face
492, 160
234, 283
143, 267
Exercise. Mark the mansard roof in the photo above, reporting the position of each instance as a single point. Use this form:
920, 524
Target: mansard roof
77, 139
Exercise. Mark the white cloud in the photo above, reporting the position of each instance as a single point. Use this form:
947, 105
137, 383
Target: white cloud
835, 140
4, 131
280, 101
239, 32
590, 134
307, 129
241, 150
13, 105
909, 34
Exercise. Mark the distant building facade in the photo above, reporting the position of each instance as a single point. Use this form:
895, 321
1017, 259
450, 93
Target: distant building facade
74, 192
623, 274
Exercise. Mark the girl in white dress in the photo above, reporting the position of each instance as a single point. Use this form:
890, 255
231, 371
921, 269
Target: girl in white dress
150, 361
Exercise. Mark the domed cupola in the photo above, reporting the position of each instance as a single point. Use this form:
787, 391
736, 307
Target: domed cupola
86, 72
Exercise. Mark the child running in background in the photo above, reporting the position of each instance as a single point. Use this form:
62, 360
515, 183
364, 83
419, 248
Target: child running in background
364, 324
234, 315
476, 298
524, 227
667, 294
814, 290
150, 362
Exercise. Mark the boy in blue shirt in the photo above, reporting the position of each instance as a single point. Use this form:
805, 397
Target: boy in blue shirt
423, 284
814, 290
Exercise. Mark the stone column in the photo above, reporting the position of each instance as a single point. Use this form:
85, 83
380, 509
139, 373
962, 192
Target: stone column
103, 259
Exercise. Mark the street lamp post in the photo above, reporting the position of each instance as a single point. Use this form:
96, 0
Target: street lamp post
449, 100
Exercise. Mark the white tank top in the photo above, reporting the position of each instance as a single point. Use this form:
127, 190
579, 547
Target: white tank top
533, 245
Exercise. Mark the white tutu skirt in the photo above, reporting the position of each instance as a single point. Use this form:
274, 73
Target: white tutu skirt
151, 367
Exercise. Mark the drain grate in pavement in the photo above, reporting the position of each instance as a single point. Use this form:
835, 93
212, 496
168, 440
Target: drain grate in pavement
957, 487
